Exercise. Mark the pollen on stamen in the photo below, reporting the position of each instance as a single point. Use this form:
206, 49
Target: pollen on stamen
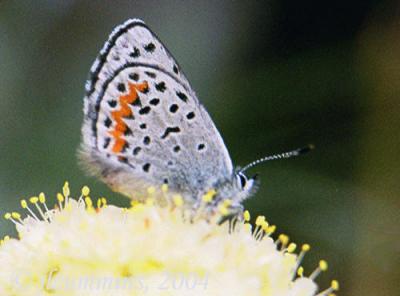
13, 217
271, 229
5, 239
178, 200
99, 203
164, 188
209, 196
227, 203
25, 206
85, 191
291, 248
333, 288
35, 201
261, 229
246, 216
258, 229
300, 271
223, 210
42, 198
89, 204
335, 285
322, 266
265, 226
60, 199
66, 190
283, 239
260, 220
16, 215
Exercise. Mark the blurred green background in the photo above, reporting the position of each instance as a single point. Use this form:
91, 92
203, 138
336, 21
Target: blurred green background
274, 75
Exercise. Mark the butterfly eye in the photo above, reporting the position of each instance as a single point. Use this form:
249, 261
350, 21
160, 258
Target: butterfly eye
242, 179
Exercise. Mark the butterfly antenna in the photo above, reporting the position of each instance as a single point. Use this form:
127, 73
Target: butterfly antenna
284, 155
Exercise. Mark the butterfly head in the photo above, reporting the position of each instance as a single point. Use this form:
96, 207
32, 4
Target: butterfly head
235, 189
240, 186
245, 185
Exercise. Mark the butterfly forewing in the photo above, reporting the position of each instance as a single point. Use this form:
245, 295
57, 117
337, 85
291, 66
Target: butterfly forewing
143, 123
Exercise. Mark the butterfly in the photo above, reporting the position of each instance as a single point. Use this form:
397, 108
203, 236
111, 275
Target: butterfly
144, 126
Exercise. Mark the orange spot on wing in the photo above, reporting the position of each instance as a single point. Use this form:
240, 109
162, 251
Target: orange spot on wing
118, 145
124, 111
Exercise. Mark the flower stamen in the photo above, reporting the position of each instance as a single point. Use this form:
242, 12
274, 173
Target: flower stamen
322, 266
34, 200
25, 205
333, 288
60, 199
42, 200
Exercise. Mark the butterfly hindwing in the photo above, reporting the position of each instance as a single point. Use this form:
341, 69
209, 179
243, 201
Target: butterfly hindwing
143, 124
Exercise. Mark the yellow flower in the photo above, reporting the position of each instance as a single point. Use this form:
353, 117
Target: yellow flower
83, 247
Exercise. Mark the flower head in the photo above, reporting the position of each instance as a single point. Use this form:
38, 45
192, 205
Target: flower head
82, 247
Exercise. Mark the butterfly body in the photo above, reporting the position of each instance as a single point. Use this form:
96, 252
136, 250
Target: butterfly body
144, 126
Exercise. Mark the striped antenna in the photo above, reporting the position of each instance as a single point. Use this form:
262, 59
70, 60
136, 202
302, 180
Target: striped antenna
284, 155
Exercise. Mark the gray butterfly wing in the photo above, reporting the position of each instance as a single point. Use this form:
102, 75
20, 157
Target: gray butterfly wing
143, 124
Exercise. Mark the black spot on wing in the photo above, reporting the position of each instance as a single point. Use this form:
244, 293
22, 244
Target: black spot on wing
170, 130
143, 126
134, 76
201, 146
106, 142
146, 167
127, 131
121, 87
150, 47
182, 96
173, 108
161, 86
146, 140
144, 110
112, 103
136, 150
135, 53
190, 115
137, 102
107, 122
154, 101
175, 69
150, 74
